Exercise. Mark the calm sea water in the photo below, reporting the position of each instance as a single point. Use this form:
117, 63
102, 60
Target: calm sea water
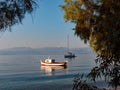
24, 72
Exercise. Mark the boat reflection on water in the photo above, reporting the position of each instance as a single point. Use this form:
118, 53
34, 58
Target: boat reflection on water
50, 70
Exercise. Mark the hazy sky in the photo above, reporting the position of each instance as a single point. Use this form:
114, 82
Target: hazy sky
44, 28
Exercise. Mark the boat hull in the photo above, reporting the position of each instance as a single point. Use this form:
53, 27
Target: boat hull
69, 56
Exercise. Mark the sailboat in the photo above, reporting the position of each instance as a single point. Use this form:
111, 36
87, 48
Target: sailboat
69, 54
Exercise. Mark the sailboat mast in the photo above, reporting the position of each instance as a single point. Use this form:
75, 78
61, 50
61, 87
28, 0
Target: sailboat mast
68, 43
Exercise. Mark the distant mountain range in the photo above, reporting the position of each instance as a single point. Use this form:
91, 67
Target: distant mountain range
42, 51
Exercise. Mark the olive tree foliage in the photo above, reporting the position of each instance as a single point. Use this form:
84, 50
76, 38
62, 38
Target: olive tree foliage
13, 11
97, 22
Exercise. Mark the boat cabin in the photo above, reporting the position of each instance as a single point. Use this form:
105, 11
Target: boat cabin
49, 60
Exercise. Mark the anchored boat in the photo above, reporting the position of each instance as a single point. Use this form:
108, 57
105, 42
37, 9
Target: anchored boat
52, 62
69, 54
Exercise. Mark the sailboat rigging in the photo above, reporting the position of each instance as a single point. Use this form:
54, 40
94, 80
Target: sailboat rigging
69, 54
